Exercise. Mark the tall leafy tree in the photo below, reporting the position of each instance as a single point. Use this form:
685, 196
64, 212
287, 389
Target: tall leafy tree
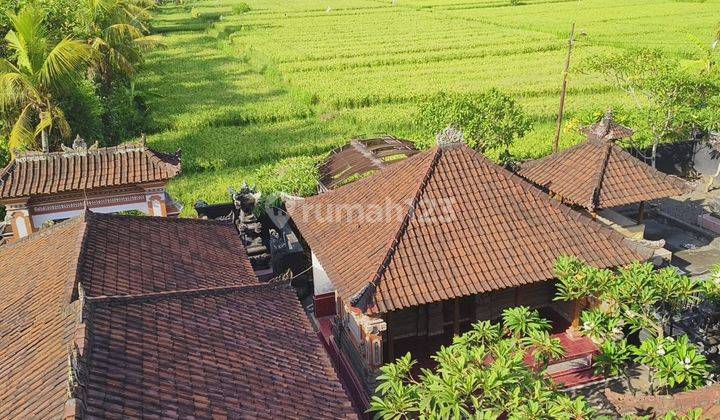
37, 72
671, 100
119, 34
489, 120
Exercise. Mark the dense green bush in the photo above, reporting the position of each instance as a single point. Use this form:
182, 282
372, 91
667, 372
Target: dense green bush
84, 111
123, 118
241, 8
489, 120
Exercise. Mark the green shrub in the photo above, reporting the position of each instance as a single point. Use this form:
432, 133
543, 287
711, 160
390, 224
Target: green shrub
241, 8
489, 120
84, 111
124, 118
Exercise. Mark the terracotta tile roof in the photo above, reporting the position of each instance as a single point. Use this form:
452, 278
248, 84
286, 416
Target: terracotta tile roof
248, 353
86, 330
361, 157
465, 226
127, 255
600, 174
37, 321
656, 406
36, 173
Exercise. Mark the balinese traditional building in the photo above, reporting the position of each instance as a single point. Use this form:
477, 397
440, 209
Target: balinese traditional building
360, 158
598, 175
417, 252
107, 316
38, 188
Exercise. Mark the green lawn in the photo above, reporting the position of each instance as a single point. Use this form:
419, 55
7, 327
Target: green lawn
297, 78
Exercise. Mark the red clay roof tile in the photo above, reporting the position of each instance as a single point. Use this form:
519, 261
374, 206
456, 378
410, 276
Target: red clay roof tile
169, 322
35, 173
600, 174
506, 232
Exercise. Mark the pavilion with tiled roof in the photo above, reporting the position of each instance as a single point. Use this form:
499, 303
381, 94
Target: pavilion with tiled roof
38, 187
428, 245
599, 174
99, 320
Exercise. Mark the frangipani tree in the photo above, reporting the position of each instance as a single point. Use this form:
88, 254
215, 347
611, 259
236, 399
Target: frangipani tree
637, 297
482, 375
37, 72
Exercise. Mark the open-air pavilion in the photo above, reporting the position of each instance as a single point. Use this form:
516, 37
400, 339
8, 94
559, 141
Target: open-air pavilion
597, 175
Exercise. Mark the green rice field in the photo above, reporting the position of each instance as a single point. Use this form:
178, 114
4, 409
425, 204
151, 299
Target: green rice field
253, 95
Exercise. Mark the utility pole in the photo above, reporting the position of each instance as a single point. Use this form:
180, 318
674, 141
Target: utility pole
571, 42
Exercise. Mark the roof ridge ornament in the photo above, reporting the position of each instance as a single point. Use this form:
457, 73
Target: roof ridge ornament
450, 136
79, 147
607, 129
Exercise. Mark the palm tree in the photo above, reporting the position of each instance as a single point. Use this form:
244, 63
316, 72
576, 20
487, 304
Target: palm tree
119, 31
39, 72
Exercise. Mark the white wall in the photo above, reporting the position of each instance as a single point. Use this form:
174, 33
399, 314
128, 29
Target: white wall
321, 280
39, 219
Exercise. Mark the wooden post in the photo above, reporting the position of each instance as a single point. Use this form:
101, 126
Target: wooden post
563, 91
456, 317
390, 343
641, 213
576, 314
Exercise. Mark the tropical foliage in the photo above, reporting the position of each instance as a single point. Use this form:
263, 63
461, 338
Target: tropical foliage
66, 67
37, 72
489, 120
672, 102
633, 299
483, 375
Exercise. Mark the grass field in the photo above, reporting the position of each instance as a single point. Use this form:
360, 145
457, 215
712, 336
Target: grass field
241, 91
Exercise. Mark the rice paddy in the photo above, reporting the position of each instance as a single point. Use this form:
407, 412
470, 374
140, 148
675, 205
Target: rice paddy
245, 94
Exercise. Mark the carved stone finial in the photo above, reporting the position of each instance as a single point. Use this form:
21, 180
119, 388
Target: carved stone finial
79, 143
450, 136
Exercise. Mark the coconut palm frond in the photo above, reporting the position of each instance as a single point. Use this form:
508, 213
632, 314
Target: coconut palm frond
60, 121
22, 136
63, 63
149, 42
54, 117
46, 123
122, 32
15, 89
28, 38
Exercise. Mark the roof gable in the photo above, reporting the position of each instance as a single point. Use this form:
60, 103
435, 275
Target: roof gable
370, 212
600, 174
474, 228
